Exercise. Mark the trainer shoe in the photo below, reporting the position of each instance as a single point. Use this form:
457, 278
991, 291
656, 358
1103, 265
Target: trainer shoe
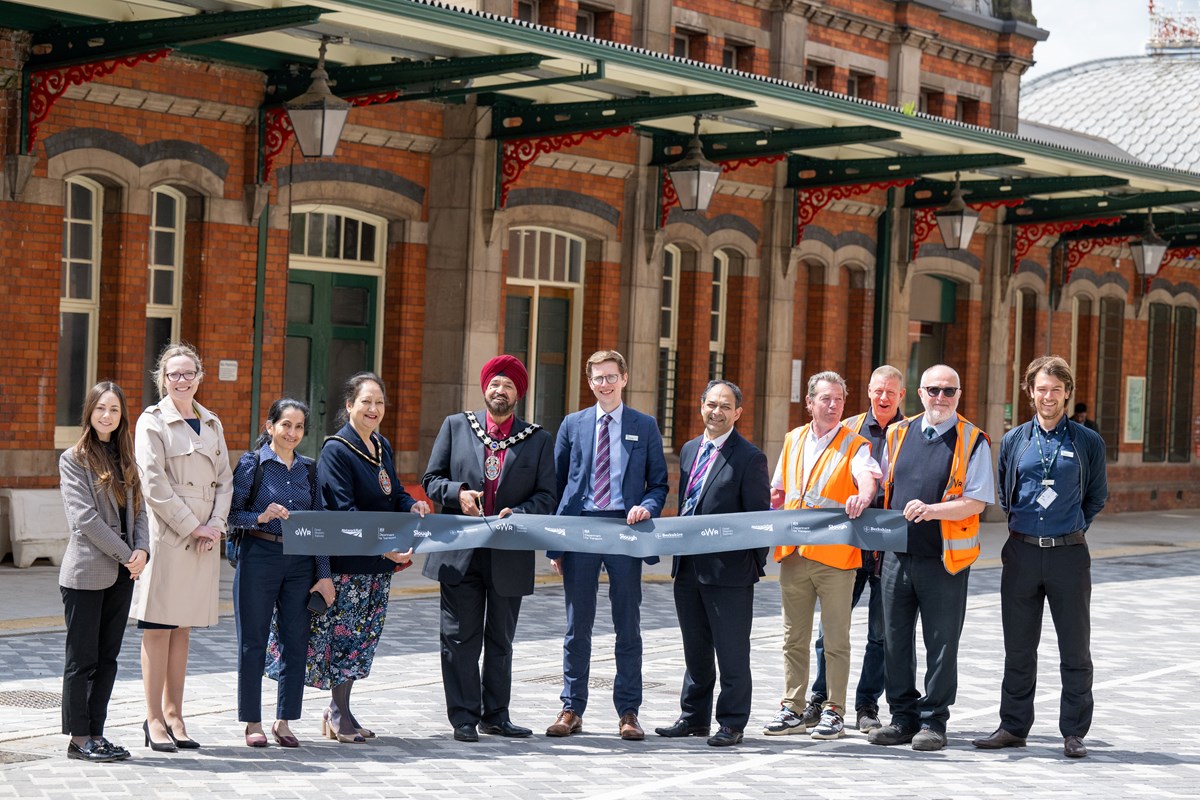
812, 713
785, 722
830, 726
868, 720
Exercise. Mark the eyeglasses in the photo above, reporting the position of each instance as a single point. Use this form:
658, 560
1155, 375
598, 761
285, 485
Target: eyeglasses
175, 377
934, 391
600, 380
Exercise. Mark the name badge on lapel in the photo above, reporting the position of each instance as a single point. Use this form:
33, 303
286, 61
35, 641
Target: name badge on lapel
631, 437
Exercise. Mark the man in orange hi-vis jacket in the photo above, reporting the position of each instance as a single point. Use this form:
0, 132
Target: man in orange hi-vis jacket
822, 465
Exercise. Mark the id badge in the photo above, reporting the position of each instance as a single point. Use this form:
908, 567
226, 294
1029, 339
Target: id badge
1046, 497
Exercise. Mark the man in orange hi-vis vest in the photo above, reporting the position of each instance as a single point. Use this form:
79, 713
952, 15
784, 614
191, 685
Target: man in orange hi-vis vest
822, 465
938, 471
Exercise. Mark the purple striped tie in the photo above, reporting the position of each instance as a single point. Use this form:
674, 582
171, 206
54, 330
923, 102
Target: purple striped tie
603, 487
696, 481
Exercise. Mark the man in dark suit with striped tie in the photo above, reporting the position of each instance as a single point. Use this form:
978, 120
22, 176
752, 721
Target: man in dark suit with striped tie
720, 473
610, 463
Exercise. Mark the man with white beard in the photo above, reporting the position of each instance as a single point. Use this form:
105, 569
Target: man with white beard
938, 471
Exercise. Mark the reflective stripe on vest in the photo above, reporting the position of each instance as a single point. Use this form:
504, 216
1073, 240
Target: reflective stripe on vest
960, 538
830, 484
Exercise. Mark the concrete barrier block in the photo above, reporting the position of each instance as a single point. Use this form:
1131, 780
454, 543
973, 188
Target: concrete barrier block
37, 525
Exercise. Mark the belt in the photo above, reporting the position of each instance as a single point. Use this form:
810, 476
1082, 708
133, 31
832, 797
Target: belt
266, 537
1075, 537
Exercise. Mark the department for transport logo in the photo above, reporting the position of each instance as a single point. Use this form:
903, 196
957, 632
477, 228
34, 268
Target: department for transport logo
593, 537
769, 527
355, 532
796, 528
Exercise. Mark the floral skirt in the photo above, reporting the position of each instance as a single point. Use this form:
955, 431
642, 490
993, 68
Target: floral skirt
342, 641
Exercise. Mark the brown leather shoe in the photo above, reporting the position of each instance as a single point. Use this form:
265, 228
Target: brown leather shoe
1073, 747
1001, 738
568, 722
630, 730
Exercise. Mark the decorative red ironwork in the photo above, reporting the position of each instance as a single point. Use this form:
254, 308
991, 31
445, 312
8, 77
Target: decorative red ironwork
518, 154
810, 202
734, 164
1029, 235
1177, 255
46, 86
1078, 249
668, 199
278, 132
373, 99
925, 221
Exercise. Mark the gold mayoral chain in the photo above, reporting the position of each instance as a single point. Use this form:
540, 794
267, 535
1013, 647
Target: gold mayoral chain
491, 464
385, 483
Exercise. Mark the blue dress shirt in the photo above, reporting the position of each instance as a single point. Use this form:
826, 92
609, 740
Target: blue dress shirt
1048, 455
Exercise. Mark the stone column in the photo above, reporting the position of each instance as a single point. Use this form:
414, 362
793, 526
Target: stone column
904, 66
772, 390
789, 30
651, 22
463, 283
641, 281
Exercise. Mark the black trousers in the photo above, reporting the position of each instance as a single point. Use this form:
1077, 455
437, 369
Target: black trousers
715, 621
1032, 577
96, 623
476, 619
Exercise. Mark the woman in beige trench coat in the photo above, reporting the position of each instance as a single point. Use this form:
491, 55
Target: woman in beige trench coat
188, 485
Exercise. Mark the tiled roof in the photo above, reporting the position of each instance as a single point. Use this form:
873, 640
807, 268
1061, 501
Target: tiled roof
1148, 106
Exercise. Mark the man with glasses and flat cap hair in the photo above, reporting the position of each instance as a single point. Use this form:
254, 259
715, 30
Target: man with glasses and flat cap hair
938, 470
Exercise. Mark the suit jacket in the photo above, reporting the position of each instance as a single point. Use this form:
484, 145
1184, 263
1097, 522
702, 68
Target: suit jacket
737, 481
527, 486
644, 480
96, 550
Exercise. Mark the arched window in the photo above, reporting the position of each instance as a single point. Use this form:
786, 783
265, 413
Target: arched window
668, 341
79, 304
542, 320
723, 261
1170, 370
164, 282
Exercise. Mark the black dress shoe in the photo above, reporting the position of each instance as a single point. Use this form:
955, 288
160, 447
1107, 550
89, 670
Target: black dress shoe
1073, 747
90, 750
1001, 738
158, 747
680, 728
725, 737
120, 752
183, 744
466, 732
505, 728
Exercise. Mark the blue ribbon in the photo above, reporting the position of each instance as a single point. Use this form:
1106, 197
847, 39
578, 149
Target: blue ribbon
351, 533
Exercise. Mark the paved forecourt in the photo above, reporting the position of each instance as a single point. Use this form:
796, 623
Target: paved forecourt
1146, 645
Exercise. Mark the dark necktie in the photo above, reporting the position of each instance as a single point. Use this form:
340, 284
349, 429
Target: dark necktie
930, 434
603, 487
696, 481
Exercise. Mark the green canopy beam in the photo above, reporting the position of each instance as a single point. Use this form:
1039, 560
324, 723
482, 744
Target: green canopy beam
512, 121
926, 192
1073, 208
670, 146
805, 172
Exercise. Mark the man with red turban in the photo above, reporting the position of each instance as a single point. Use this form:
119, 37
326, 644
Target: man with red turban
489, 463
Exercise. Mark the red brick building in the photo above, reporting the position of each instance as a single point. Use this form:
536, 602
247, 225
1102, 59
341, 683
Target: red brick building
153, 191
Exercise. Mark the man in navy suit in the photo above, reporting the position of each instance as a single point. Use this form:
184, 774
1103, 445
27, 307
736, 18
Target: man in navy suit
720, 473
610, 463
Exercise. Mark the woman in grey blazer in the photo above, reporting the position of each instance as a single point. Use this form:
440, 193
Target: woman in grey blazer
108, 548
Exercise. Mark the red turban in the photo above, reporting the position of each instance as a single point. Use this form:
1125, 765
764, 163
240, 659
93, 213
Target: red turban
508, 366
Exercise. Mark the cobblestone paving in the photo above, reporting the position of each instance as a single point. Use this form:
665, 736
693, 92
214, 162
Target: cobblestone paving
1145, 645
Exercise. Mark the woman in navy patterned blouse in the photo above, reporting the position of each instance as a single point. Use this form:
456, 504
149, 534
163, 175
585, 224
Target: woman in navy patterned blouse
267, 581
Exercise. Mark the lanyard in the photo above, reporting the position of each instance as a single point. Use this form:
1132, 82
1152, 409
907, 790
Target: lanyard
1047, 463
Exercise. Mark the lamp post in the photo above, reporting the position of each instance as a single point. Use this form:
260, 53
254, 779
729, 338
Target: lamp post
956, 220
694, 176
318, 115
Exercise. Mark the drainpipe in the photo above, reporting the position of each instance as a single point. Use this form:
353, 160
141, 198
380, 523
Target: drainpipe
883, 272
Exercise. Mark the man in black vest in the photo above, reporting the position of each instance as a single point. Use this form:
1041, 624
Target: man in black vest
938, 470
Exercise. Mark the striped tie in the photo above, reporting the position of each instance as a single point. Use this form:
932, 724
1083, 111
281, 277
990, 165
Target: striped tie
696, 481
603, 487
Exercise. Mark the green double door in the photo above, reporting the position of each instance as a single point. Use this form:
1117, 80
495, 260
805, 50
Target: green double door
330, 336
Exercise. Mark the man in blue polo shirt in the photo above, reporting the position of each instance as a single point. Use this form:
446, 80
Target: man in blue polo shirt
1053, 484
